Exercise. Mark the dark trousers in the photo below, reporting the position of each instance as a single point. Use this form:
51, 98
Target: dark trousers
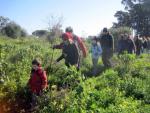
106, 57
138, 51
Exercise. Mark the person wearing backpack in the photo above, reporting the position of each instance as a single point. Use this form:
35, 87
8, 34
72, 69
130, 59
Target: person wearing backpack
69, 51
78, 41
82, 50
37, 82
80, 45
96, 52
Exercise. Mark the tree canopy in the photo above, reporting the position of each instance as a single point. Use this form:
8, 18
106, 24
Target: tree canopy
136, 16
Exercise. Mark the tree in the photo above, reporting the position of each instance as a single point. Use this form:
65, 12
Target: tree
54, 27
137, 16
116, 32
40, 33
123, 19
23, 33
3, 22
140, 20
129, 3
147, 6
13, 30
10, 28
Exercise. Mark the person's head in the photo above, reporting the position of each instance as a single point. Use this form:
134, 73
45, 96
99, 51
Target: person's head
66, 39
69, 29
136, 37
126, 36
105, 31
94, 40
36, 63
121, 36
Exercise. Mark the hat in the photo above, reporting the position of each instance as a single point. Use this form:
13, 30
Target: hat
69, 29
67, 36
105, 30
94, 38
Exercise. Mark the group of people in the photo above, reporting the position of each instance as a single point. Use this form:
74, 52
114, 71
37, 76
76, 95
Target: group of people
102, 45
135, 45
74, 50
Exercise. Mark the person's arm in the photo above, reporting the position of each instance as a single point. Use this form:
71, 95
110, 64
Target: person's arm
43, 77
29, 81
60, 58
99, 49
60, 46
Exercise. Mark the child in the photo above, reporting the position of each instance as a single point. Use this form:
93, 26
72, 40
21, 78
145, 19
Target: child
96, 52
37, 82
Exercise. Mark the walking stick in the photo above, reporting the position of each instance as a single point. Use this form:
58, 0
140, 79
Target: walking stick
51, 60
49, 64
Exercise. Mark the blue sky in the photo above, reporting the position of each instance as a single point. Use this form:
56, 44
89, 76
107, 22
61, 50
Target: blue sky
87, 17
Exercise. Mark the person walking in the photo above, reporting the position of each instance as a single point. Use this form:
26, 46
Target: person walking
107, 44
96, 52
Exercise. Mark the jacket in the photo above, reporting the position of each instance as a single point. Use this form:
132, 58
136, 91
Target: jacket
107, 42
37, 81
96, 51
70, 54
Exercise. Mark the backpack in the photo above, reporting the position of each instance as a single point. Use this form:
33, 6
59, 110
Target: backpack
80, 44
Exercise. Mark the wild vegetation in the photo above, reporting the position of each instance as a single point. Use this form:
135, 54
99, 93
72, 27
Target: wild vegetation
124, 88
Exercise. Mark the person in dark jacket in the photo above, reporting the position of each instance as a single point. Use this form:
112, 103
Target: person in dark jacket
130, 45
82, 50
107, 44
69, 51
121, 44
78, 41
